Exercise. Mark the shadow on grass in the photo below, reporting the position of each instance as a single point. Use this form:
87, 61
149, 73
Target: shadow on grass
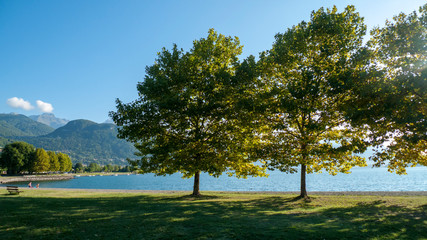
183, 217
194, 198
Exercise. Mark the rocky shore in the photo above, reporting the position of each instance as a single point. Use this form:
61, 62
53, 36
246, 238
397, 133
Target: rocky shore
31, 178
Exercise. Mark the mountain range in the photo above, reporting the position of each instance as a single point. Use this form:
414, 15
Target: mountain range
16, 125
85, 141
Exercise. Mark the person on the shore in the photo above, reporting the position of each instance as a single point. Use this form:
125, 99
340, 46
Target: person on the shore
29, 185
37, 186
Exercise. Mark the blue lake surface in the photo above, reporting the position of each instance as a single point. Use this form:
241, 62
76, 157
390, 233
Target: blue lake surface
361, 179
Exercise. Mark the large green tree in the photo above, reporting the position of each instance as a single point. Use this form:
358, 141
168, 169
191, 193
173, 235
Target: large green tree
94, 167
54, 165
184, 119
307, 77
16, 157
65, 164
41, 161
79, 168
393, 101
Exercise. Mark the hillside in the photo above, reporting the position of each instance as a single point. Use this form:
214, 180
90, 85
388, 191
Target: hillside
4, 142
17, 125
50, 120
86, 141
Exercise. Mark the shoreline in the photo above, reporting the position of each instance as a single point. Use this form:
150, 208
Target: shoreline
33, 178
40, 178
25, 178
319, 193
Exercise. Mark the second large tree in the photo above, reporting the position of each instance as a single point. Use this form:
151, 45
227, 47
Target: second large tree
308, 76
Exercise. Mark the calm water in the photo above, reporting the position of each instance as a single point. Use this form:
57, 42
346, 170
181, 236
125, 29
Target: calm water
361, 179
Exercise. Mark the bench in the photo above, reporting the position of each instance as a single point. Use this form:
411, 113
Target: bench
13, 190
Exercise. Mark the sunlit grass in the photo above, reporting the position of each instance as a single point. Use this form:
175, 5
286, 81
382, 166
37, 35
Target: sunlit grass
53, 214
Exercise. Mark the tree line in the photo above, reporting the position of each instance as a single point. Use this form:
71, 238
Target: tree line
313, 102
95, 167
20, 157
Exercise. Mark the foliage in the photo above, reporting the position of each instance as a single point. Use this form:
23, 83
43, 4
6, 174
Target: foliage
21, 157
111, 168
53, 160
184, 119
393, 100
16, 157
93, 167
65, 164
52, 214
41, 161
307, 77
79, 168
124, 169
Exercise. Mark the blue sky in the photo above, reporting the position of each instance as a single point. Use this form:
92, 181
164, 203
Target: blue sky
74, 58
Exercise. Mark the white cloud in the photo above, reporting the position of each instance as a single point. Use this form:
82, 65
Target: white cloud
19, 103
44, 107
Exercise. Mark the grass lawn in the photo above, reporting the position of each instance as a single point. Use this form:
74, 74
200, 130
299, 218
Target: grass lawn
55, 214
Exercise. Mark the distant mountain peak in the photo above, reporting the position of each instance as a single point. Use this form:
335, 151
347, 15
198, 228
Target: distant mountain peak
50, 120
109, 121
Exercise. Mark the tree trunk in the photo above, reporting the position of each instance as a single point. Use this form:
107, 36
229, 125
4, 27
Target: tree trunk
303, 182
196, 191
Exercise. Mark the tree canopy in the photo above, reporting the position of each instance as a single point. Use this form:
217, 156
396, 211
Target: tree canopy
53, 161
78, 167
184, 119
392, 101
22, 157
65, 164
16, 157
41, 161
308, 75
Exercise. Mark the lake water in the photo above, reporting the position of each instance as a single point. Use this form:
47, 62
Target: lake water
361, 179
